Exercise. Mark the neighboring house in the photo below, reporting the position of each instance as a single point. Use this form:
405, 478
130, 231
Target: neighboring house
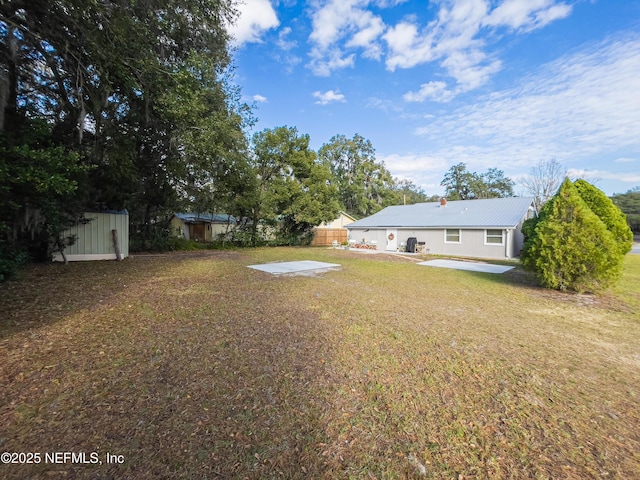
201, 227
94, 237
486, 228
342, 221
328, 232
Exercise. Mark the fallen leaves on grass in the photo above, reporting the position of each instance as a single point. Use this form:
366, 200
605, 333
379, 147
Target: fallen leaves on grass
198, 367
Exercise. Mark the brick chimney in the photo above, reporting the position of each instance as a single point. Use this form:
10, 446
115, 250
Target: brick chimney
443, 202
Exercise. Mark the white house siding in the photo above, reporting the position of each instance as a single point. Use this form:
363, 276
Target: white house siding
369, 236
472, 241
94, 240
518, 241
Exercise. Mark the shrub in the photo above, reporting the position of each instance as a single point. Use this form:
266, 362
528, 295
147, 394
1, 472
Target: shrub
569, 247
10, 260
608, 212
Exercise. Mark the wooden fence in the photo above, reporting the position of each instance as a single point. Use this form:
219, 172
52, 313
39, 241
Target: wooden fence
326, 236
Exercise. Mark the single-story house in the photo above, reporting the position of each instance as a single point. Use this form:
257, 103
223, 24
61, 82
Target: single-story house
201, 227
485, 228
95, 237
328, 232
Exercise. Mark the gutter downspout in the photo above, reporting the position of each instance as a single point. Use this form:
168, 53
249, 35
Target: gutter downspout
506, 243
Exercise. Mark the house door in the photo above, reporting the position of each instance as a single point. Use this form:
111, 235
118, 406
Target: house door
392, 239
196, 232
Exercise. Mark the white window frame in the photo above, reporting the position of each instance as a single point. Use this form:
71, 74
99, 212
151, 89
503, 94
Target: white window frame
459, 235
493, 244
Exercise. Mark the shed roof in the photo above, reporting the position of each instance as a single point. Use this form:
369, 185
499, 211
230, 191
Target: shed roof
206, 217
483, 213
351, 217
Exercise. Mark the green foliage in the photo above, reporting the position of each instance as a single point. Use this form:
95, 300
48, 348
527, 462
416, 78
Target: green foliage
629, 204
460, 184
364, 185
38, 182
156, 237
569, 247
408, 193
246, 236
294, 191
152, 82
607, 211
10, 259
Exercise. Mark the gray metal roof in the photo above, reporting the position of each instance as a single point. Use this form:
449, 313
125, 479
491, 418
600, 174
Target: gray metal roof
491, 212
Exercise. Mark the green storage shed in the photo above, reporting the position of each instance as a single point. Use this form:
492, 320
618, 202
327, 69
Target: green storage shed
96, 237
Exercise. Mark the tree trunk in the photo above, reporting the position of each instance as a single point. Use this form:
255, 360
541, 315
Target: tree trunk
116, 245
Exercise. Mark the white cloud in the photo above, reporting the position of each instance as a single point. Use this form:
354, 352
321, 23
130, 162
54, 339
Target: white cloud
283, 43
256, 17
437, 91
328, 97
410, 162
385, 105
425, 170
527, 15
371, 27
323, 63
388, 3
452, 33
406, 47
603, 175
328, 22
286, 57
625, 160
577, 109
471, 69
455, 39
259, 98
340, 26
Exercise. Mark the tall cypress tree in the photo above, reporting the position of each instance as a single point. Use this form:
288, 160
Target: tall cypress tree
608, 212
569, 247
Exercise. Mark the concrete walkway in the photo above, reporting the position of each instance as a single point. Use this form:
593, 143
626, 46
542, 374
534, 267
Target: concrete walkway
277, 268
470, 266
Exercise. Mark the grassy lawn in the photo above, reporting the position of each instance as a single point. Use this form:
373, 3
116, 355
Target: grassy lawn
194, 366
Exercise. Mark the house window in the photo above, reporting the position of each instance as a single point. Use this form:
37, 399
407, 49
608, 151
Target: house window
494, 237
452, 235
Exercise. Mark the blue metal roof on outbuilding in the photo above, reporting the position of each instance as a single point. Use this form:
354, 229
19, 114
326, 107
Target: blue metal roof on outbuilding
482, 213
206, 217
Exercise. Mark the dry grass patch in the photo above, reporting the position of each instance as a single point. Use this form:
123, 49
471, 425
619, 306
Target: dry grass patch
198, 367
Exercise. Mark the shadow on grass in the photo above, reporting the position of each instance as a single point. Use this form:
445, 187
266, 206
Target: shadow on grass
45, 293
213, 371
517, 276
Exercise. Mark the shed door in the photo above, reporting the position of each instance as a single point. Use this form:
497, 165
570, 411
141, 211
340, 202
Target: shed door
196, 232
392, 239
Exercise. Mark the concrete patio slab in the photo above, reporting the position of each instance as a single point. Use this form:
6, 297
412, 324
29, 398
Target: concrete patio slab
469, 266
278, 268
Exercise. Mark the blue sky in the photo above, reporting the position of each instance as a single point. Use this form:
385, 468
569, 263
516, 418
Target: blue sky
491, 83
